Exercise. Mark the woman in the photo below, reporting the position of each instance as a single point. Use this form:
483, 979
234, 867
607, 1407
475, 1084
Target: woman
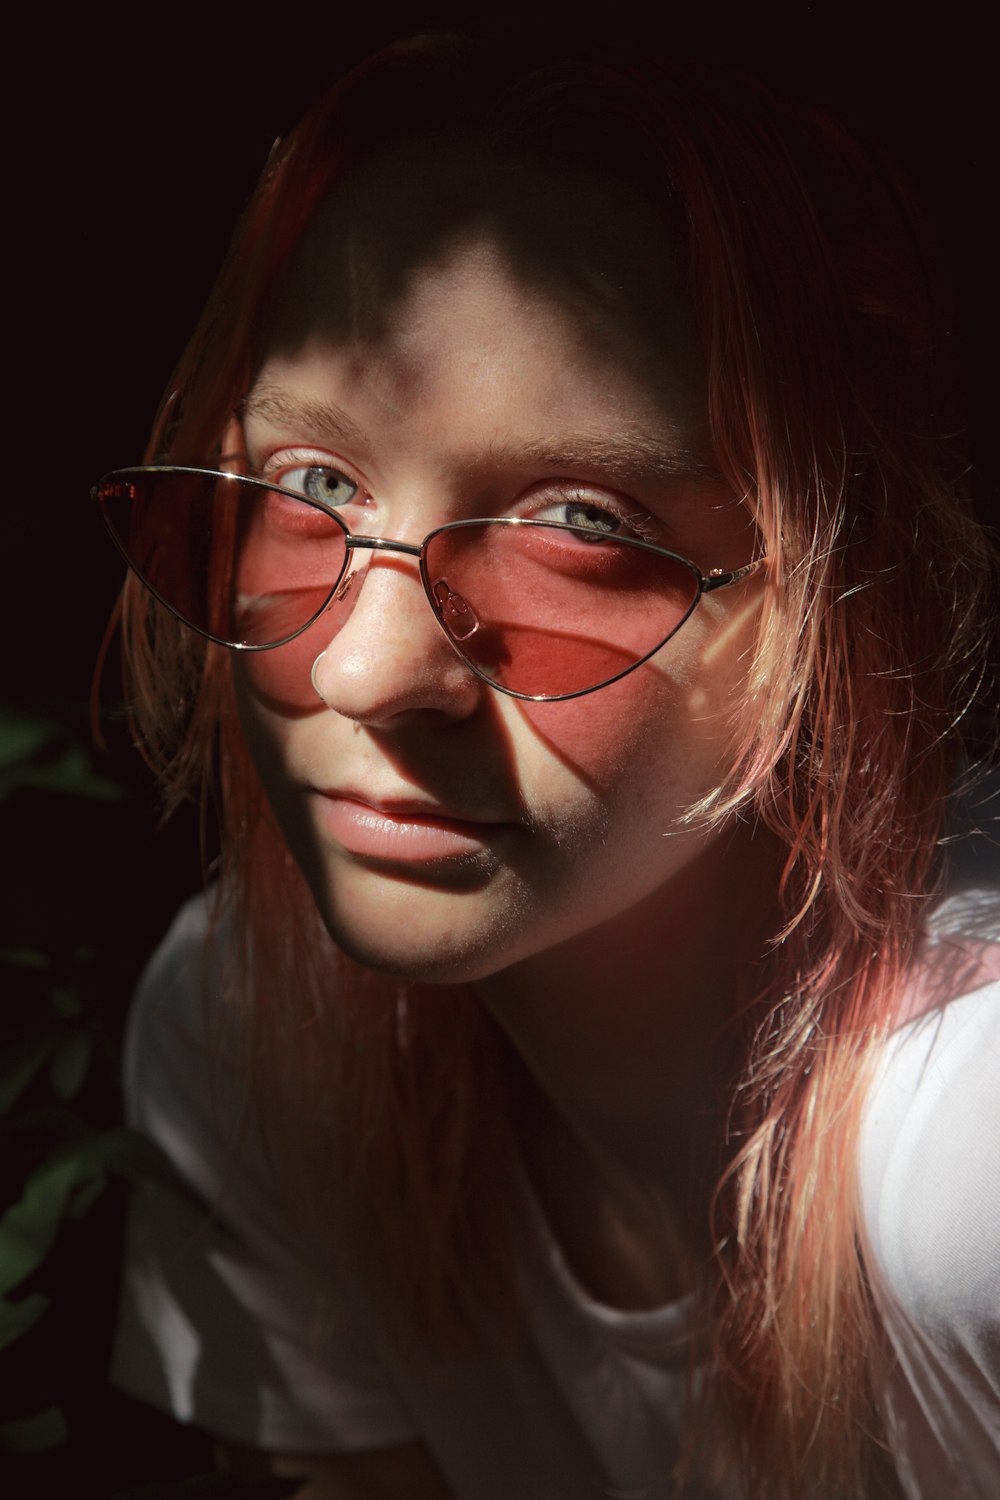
579, 1072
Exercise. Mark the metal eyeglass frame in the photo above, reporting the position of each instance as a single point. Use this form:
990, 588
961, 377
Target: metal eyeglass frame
708, 583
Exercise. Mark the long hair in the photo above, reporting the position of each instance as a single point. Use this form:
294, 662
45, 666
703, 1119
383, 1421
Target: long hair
811, 297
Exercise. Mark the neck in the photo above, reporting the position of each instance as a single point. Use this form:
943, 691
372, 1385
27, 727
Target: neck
629, 1040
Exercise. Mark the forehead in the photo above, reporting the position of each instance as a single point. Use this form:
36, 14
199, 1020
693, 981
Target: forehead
602, 252
474, 361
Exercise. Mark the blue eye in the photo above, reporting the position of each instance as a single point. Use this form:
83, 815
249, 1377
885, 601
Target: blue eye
592, 517
583, 513
326, 486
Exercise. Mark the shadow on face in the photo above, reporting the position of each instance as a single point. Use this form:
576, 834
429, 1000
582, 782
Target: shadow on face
603, 251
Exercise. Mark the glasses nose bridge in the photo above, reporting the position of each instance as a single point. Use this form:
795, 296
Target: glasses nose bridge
374, 544
360, 543
352, 575
452, 613
382, 544
377, 544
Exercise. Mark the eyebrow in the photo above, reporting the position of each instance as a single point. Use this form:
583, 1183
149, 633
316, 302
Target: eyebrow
325, 417
624, 457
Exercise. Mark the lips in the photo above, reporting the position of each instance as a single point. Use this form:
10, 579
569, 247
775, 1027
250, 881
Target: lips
404, 831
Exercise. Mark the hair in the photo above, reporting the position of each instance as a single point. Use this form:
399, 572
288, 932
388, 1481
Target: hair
811, 293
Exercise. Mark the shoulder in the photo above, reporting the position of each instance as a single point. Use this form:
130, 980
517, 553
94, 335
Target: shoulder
178, 1087
929, 1170
188, 1077
930, 1163
220, 1321
183, 972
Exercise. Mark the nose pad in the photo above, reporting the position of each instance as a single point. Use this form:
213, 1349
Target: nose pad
344, 587
456, 614
345, 596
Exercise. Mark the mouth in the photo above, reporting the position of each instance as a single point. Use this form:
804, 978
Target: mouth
405, 832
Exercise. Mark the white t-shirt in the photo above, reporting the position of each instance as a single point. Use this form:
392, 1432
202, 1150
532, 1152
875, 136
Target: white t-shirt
218, 1328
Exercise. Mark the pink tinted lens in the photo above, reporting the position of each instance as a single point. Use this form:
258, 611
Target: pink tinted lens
549, 610
243, 563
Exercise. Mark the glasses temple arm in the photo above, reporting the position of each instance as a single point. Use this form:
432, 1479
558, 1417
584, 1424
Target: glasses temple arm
718, 579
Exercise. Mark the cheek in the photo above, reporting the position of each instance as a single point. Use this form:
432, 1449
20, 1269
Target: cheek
279, 680
265, 731
273, 733
652, 737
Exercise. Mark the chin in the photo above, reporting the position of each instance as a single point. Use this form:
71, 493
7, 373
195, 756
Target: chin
420, 935
415, 962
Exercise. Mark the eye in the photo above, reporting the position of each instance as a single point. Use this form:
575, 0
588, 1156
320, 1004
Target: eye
317, 482
604, 516
583, 513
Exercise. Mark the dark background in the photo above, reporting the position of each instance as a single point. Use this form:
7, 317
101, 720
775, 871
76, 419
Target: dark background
134, 144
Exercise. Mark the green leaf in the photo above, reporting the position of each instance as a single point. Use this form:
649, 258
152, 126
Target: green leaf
29, 1228
24, 958
70, 1062
86, 1194
49, 756
17, 1317
65, 1001
34, 1434
19, 1067
127, 1153
67, 1185
23, 736
70, 772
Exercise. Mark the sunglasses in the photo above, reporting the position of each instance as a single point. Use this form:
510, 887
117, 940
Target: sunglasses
538, 609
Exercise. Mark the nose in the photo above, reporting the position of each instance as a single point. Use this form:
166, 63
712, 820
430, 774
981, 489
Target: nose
386, 656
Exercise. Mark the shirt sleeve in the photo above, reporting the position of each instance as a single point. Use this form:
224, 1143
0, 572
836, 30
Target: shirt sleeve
218, 1324
930, 1181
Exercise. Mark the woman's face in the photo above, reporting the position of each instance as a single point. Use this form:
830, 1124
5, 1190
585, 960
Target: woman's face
448, 831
